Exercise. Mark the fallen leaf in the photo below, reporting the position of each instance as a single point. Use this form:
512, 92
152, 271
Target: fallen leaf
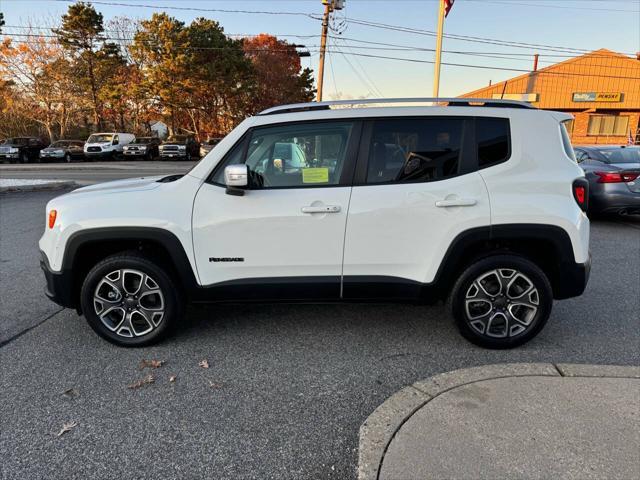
145, 381
204, 363
172, 378
151, 364
71, 393
215, 385
66, 427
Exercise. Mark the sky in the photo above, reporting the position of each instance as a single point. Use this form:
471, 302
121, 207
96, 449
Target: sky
560, 28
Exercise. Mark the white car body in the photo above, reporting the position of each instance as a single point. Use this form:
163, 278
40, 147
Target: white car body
394, 233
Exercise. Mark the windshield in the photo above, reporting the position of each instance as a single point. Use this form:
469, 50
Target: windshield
143, 140
58, 145
100, 138
621, 155
177, 139
16, 141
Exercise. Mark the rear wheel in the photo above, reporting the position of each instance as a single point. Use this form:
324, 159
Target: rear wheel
130, 301
501, 301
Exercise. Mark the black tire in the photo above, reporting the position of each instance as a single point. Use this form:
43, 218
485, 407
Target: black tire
172, 299
24, 158
535, 319
67, 158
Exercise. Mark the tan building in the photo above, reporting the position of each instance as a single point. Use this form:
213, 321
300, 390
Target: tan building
601, 89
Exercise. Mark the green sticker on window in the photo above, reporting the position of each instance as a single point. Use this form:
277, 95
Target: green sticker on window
315, 175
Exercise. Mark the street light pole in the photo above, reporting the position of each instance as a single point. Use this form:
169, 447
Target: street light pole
436, 69
323, 47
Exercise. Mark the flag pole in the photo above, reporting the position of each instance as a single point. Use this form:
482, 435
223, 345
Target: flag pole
436, 70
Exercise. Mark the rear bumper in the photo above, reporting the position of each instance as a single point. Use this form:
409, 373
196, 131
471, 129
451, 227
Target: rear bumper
59, 287
614, 201
572, 279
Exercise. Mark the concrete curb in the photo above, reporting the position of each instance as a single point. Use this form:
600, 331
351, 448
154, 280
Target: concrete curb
378, 430
42, 187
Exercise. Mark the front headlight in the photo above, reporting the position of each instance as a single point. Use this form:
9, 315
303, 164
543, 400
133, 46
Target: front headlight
143, 147
13, 150
182, 147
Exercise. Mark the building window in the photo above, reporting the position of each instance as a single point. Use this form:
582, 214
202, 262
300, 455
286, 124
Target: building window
608, 125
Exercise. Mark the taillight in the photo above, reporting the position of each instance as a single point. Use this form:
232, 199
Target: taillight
616, 177
52, 217
581, 193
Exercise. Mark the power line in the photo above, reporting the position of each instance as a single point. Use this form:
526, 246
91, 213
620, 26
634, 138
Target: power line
397, 47
369, 80
469, 38
315, 49
195, 9
565, 7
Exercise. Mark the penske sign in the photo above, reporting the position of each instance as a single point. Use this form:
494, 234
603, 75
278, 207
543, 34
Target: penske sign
597, 97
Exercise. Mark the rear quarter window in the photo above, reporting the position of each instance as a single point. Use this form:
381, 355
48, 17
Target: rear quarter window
566, 141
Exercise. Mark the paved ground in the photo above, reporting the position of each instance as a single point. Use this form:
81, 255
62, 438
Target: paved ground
292, 384
517, 421
92, 172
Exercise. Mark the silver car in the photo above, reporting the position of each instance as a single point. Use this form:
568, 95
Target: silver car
614, 177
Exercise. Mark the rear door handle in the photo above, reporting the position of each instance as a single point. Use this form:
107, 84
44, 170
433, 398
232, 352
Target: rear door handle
457, 202
321, 209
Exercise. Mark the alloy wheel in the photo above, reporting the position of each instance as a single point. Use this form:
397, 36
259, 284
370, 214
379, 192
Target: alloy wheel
501, 303
129, 302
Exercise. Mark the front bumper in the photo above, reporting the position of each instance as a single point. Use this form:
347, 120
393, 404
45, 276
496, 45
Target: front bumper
135, 153
571, 279
99, 154
173, 154
9, 156
60, 286
56, 156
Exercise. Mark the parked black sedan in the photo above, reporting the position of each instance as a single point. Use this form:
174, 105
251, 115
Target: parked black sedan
20, 149
180, 147
614, 177
63, 150
146, 148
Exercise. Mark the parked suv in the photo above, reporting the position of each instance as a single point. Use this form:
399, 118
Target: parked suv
63, 150
21, 149
146, 148
314, 203
180, 147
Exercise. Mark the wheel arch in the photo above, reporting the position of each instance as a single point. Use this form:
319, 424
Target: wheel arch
548, 246
87, 247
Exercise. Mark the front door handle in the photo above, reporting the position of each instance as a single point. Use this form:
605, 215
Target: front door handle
457, 202
321, 209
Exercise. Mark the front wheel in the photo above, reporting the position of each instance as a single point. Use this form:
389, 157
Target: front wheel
130, 300
501, 301
67, 158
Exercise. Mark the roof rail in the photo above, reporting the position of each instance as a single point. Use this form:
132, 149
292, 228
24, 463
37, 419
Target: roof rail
451, 102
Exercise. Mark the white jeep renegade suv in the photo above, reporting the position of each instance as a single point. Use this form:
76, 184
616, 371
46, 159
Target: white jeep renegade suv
479, 202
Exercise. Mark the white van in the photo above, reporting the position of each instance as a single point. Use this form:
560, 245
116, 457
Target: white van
106, 145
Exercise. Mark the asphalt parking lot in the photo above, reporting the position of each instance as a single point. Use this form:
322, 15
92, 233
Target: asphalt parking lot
287, 385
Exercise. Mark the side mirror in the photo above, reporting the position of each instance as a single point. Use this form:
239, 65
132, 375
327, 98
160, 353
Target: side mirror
236, 177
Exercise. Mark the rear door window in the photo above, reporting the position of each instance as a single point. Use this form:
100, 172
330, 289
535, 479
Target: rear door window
493, 138
405, 150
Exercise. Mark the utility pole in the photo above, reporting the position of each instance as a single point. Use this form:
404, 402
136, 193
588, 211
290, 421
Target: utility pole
329, 6
436, 68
